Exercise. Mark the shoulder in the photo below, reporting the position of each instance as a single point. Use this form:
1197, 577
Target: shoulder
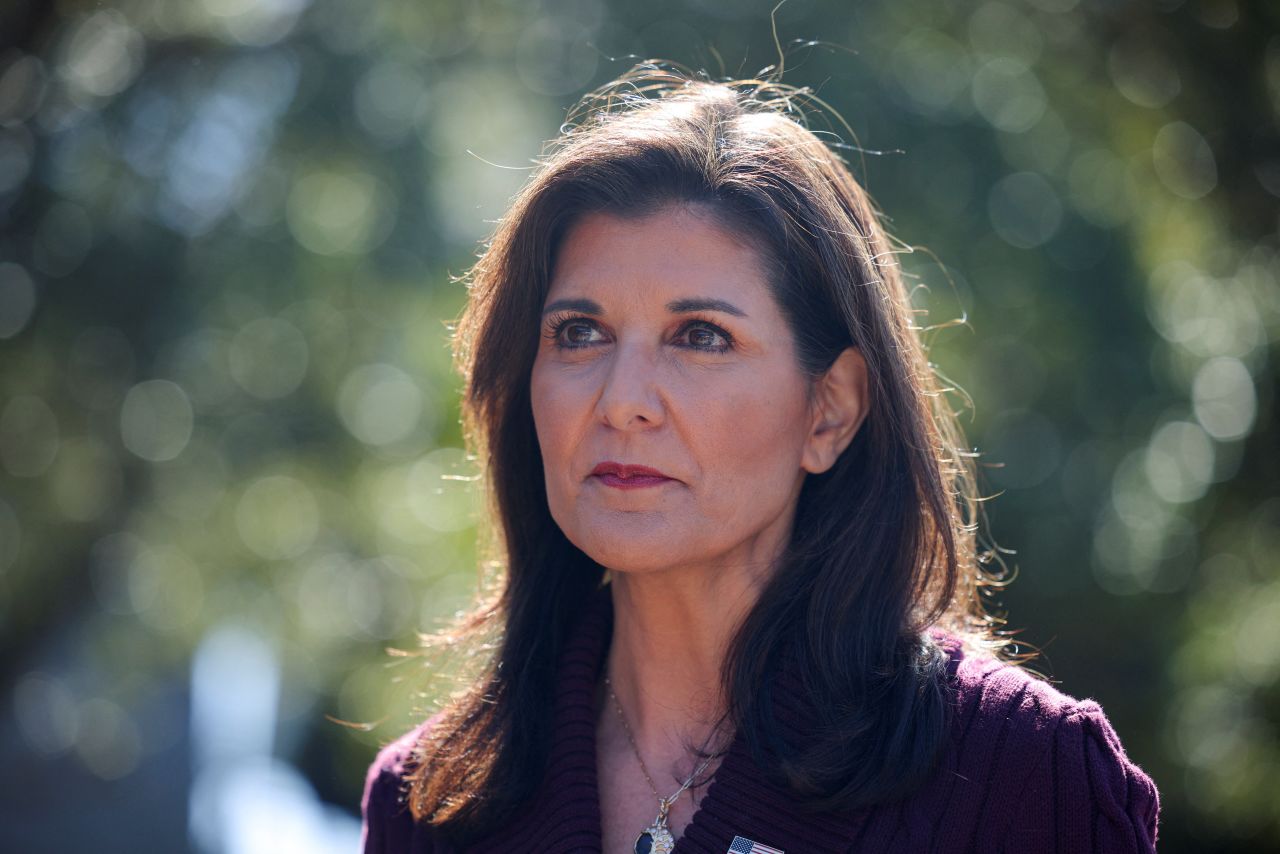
1051, 765
986, 691
387, 821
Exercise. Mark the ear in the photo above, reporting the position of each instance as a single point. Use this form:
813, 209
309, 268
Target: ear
840, 403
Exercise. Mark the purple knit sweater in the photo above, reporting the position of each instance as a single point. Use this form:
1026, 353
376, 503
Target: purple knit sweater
1026, 769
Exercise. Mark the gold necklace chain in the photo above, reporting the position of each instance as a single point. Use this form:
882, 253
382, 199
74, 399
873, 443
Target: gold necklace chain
664, 804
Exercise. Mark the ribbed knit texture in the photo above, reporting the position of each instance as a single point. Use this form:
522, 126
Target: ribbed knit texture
1026, 769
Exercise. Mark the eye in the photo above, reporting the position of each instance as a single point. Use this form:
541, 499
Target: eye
571, 332
704, 335
576, 332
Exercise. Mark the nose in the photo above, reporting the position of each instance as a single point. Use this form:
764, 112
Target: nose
630, 398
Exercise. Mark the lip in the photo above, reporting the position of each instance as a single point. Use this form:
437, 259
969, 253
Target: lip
623, 476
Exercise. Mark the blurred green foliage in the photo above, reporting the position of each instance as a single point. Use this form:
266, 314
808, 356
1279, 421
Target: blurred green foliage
231, 236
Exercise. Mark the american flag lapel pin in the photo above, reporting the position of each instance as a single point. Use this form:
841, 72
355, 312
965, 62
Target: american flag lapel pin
742, 845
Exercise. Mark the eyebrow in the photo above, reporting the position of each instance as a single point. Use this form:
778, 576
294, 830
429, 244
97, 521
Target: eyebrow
682, 306
679, 306
586, 306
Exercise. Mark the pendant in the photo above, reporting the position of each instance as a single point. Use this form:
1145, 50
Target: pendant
657, 838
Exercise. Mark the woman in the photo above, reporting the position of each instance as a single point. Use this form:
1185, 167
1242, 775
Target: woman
741, 604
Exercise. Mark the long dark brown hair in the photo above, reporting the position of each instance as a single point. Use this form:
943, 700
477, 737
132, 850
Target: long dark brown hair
884, 544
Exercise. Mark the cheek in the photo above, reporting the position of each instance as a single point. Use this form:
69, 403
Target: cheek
555, 418
541, 400
753, 440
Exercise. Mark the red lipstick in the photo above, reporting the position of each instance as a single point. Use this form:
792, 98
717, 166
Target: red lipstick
621, 476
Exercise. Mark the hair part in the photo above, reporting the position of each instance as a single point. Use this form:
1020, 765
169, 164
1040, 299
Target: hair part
884, 543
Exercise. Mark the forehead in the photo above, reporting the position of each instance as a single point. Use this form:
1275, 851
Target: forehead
670, 253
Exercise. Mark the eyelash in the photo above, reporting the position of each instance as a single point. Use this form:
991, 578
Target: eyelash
557, 324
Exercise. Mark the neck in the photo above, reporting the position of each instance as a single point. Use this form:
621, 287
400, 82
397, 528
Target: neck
671, 633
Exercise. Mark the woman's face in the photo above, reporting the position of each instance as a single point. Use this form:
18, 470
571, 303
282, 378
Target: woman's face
662, 348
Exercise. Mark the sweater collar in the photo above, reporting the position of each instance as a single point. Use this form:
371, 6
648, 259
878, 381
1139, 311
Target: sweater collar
740, 801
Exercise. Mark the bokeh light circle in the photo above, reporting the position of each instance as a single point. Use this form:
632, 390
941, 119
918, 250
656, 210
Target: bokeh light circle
278, 517
156, 420
380, 404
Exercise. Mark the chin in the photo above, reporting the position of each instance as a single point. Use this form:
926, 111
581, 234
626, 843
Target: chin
631, 554
635, 566
629, 541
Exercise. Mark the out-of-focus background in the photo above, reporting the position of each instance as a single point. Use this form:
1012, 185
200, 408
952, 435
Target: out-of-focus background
230, 464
